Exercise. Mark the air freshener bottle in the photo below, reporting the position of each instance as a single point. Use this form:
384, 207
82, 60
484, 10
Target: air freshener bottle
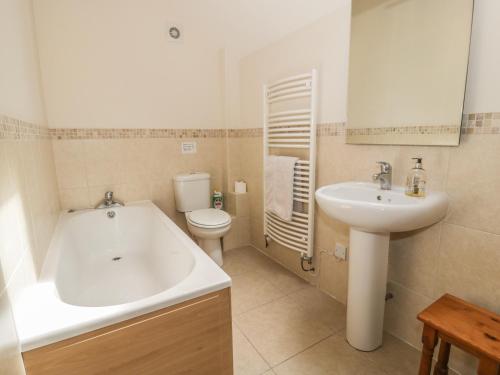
217, 200
416, 180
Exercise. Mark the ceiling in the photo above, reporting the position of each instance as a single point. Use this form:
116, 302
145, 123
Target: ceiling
244, 26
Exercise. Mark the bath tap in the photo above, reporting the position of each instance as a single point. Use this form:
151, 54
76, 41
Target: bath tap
385, 175
108, 201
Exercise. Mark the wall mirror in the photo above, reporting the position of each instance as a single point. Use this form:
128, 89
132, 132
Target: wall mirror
407, 71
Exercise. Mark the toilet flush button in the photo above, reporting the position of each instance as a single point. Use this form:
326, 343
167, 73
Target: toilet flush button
188, 147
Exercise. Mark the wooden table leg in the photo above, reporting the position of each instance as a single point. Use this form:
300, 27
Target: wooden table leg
441, 367
429, 341
487, 367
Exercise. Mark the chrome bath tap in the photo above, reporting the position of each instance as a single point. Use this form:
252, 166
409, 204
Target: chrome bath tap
385, 175
109, 201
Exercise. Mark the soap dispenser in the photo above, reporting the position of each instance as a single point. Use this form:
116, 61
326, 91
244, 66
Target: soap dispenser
416, 180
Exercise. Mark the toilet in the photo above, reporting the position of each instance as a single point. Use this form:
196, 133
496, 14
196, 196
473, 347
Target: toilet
207, 225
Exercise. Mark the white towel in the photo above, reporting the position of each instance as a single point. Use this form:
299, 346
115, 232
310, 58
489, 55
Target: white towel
279, 185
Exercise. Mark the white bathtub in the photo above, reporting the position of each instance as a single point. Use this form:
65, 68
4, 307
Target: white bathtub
101, 270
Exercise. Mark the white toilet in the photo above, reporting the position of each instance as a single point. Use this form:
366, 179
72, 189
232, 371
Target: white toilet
207, 225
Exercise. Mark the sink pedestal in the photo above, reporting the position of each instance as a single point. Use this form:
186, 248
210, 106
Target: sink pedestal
368, 263
373, 213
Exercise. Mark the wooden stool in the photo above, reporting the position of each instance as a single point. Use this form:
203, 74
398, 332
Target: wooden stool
469, 327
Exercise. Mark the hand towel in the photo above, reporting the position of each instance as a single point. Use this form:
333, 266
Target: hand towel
279, 185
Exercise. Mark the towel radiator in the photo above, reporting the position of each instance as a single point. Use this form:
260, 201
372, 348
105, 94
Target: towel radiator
290, 129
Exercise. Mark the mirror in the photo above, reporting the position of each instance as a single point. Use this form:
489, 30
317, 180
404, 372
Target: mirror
407, 71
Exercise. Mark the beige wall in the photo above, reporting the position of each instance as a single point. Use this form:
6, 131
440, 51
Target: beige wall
99, 57
484, 76
134, 169
459, 255
322, 45
28, 193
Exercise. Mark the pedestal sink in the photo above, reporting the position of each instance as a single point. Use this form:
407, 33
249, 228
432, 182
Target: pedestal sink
372, 214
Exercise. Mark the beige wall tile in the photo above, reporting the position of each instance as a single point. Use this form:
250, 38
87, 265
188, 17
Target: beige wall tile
413, 259
435, 161
239, 235
469, 266
401, 314
237, 204
71, 174
135, 169
474, 183
10, 358
333, 276
68, 150
29, 207
76, 198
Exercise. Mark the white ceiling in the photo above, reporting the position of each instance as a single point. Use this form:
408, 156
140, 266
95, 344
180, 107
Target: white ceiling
244, 26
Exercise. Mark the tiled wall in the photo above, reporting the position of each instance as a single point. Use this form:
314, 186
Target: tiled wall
459, 255
134, 167
29, 207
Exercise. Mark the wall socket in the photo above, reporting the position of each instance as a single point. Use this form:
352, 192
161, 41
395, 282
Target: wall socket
340, 251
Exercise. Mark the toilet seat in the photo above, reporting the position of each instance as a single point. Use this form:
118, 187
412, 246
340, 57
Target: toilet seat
208, 218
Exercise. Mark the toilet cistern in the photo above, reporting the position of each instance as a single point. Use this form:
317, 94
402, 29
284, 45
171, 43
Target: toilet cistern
207, 225
373, 213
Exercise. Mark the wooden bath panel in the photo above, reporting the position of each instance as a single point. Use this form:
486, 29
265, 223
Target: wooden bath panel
193, 337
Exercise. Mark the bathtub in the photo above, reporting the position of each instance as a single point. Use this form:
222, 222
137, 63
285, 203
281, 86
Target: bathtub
109, 265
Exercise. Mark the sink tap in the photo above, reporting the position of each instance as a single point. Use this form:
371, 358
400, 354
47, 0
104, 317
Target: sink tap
385, 175
108, 201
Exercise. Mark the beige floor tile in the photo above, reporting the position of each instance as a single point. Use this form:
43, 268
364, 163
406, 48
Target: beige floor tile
238, 261
250, 290
249, 259
270, 372
332, 356
281, 329
281, 278
395, 357
246, 359
320, 307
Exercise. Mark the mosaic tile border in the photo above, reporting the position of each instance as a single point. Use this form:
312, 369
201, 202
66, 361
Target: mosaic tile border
332, 129
11, 128
481, 123
404, 130
59, 134
245, 133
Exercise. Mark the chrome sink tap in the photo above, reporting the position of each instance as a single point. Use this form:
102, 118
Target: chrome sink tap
385, 175
109, 201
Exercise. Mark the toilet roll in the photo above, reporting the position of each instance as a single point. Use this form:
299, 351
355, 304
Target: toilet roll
240, 187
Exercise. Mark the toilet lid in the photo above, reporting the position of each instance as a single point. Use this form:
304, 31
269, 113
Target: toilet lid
209, 217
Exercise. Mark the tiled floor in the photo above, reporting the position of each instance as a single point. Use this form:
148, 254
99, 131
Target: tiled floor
284, 326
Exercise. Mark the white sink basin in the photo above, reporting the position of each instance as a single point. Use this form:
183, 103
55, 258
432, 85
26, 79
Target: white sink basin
372, 214
366, 207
